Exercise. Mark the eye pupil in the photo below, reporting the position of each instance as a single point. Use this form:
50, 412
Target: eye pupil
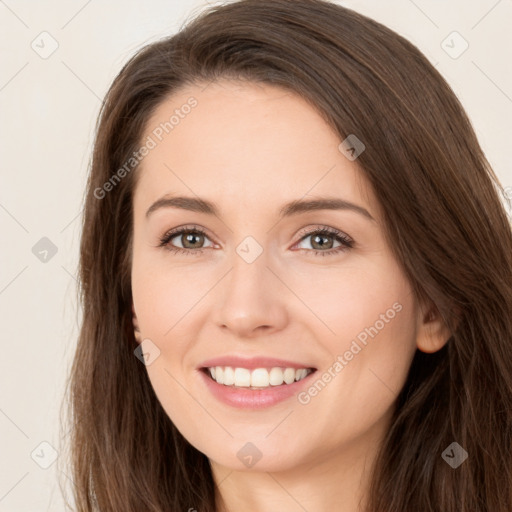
189, 238
321, 245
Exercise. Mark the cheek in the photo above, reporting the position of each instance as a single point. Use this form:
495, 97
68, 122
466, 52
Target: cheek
164, 301
371, 315
374, 349
163, 297
350, 298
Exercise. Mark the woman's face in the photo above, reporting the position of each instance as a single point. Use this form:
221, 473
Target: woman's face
261, 288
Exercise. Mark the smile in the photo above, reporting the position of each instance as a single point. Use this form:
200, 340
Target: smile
258, 378
271, 385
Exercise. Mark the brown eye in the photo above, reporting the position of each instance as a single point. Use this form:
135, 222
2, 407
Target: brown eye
319, 241
190, 238
322, 241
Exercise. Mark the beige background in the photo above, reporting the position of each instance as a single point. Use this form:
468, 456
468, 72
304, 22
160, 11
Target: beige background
48, 109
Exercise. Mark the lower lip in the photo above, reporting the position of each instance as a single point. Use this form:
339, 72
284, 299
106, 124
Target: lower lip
246, 398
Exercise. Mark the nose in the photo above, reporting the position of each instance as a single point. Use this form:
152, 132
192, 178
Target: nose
252, 300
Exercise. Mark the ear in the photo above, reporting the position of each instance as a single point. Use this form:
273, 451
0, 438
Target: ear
432, 333
136, 328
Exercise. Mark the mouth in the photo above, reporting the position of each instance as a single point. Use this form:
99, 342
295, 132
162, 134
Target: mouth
257, 378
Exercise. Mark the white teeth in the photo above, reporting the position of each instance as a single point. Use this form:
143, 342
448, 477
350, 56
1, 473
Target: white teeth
242, 377
257, 378
229, 376
276, 377
300, 374
289, 375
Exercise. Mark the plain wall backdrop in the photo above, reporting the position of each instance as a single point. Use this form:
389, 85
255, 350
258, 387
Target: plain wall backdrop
58, 60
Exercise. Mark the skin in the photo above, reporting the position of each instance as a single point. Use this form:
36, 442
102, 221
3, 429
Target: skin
251, 148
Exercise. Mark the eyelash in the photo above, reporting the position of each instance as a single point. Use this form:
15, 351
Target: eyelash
346, 242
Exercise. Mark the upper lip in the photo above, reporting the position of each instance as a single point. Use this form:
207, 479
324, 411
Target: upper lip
252, 362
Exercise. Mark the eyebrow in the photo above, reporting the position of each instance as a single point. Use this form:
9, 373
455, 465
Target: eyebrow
196, 204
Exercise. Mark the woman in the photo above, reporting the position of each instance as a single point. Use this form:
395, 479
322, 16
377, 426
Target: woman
221, 364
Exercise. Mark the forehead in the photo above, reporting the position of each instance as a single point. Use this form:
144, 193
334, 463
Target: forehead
245, 142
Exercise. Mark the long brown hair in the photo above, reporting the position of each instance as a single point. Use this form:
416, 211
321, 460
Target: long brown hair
444, 221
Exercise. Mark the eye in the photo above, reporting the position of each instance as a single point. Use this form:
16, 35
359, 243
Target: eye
320, 235
194, 237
